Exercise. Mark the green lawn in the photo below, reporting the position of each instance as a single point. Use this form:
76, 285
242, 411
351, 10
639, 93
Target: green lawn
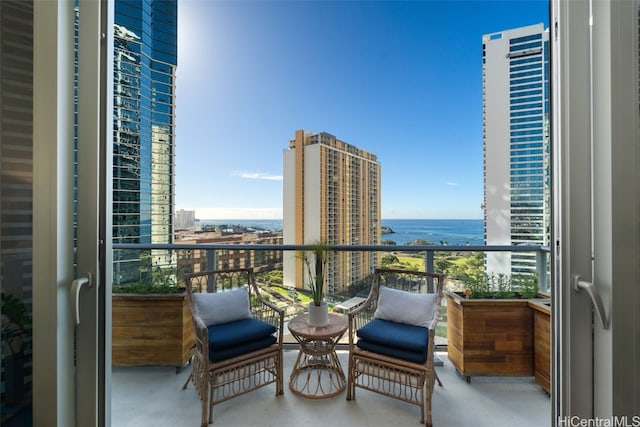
408, 263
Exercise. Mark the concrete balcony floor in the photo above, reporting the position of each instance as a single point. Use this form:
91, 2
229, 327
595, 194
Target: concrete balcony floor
153, 396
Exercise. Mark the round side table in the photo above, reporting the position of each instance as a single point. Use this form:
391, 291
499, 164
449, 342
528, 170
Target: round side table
317, 373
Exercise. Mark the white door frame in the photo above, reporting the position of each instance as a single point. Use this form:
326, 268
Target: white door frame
53, 272
67, 393
596, 162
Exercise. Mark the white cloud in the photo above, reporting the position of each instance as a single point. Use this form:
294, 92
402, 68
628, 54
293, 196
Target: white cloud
238, 213
452, 184
257, 175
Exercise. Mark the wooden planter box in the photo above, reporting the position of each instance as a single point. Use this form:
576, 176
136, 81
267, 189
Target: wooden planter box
490, 336
151, 330
542, 344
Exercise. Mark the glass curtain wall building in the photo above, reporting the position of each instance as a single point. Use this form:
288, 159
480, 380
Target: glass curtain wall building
515, 91
145, 60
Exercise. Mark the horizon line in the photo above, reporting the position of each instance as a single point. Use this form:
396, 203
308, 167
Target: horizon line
382, 219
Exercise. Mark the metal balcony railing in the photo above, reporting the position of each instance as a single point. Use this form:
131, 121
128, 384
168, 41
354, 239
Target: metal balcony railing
165, 264
212, 250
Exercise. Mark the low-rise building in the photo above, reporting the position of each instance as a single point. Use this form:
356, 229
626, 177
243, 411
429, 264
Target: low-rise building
196, 260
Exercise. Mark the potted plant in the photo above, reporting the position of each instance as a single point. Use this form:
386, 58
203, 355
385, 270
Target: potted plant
490, 326
151, 320
315, 260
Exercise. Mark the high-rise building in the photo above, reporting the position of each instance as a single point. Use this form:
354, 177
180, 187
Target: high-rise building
515, 96
185, 219
145, 60
332, 195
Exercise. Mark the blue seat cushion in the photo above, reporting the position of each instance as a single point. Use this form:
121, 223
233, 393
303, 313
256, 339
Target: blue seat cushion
227, 353
239, 337
407, 342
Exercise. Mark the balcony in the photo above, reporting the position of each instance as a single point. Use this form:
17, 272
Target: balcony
144, 396
153, 395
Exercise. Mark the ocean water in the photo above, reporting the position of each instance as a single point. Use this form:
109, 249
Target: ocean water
436, 231
452, 232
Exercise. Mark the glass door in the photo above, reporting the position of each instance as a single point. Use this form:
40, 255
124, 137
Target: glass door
71, 242
597, 211
16, 210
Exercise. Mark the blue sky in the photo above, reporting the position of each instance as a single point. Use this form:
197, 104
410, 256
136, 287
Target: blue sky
399, 79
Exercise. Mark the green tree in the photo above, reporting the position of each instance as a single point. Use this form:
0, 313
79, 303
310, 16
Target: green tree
389, 259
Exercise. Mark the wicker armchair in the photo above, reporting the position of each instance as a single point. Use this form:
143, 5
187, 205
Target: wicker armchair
237, 356
380, 358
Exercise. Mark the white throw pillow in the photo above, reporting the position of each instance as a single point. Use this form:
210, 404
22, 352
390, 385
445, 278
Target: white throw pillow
222, 307
405, 307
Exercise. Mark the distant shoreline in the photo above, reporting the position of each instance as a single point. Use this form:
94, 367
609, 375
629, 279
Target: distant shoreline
383, 219
400, 231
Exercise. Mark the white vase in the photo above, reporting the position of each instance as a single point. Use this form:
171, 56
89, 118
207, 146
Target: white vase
318, 314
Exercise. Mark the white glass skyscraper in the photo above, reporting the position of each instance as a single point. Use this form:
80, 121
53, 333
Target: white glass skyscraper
515, 94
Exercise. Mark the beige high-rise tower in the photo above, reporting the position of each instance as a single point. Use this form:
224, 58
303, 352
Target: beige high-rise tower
331, 194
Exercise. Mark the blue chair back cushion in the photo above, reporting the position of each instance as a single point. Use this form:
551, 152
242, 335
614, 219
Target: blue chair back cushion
400, 340
239, 337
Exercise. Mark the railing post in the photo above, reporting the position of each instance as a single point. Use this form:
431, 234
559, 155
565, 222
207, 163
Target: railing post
428, 263
541, 269
212, 264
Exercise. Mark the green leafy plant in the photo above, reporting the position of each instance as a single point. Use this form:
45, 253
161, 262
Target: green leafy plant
315, 260
477, 287
525, 284
16, 324
145, 288
154, 279
502, 286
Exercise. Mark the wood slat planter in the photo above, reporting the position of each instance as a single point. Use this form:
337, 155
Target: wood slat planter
151, 330
490, 336
542, 344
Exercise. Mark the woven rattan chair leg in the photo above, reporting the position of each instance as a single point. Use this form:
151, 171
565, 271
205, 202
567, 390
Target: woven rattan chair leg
437, 378
186, 383
205, 404
430, 386
211, 407
351, 387
423, 405
350, 378
280, 382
